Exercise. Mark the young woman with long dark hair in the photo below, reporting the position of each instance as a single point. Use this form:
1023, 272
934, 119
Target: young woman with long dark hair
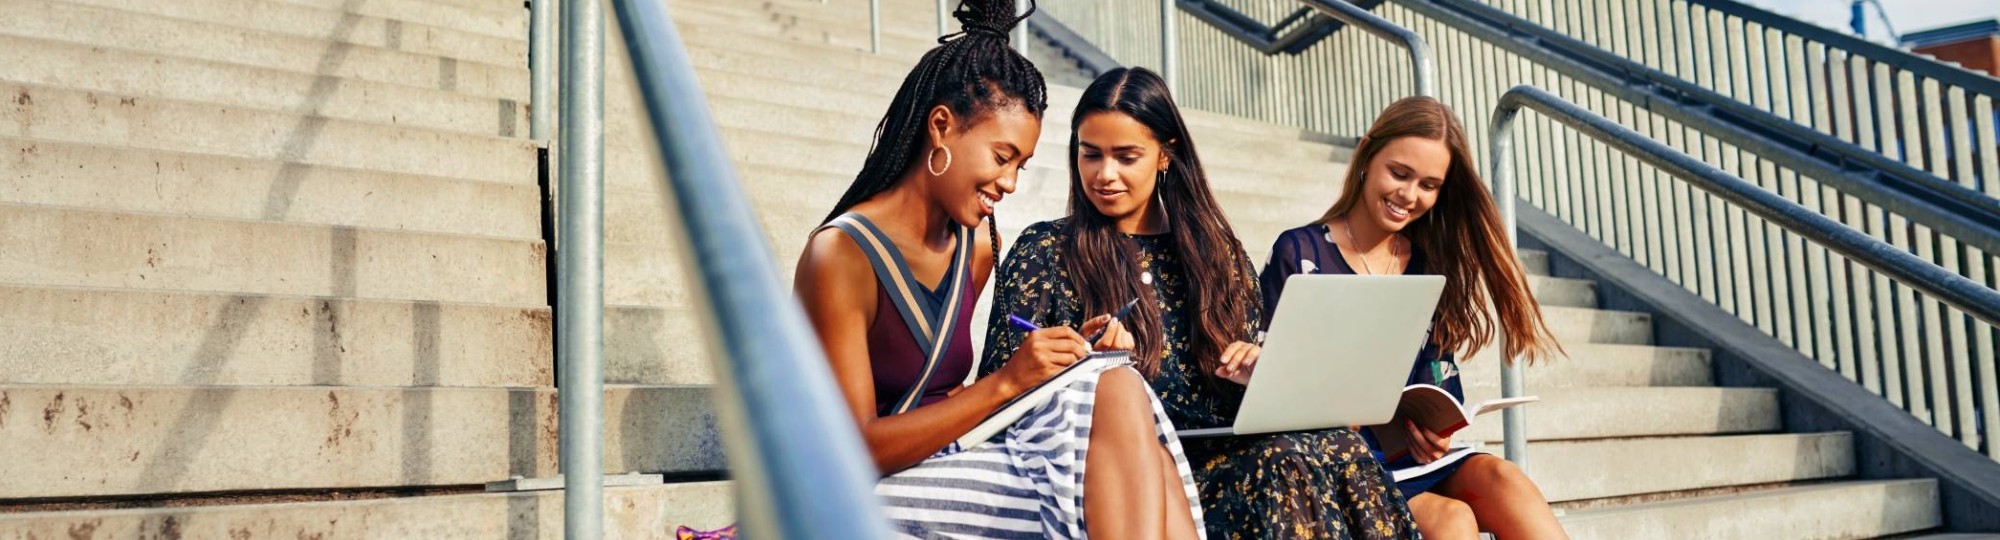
1143, 225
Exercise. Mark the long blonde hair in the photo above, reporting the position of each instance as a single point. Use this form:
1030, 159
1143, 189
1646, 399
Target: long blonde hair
1462, 239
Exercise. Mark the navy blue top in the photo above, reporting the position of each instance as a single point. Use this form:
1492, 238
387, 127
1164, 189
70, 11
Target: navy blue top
1311, 250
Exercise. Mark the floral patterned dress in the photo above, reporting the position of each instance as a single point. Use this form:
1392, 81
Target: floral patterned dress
1319, 484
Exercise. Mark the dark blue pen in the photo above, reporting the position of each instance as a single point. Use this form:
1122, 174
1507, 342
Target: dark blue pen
1122, 313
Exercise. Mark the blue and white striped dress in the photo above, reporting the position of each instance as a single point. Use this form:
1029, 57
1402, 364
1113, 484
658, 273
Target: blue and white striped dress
1027, 482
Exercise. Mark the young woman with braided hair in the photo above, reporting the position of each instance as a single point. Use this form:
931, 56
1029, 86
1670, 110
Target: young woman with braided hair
890, 282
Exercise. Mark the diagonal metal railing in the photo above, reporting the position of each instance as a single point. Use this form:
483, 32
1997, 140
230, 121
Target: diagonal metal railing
1894, 146
774, 386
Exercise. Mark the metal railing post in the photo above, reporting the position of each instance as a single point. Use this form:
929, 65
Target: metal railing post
875, 26
1501, 173
1021, 30
580, 271
1169, 57
541, 72
944, 18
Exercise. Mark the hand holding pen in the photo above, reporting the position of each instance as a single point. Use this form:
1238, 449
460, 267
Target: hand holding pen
1107, 332
1043, 353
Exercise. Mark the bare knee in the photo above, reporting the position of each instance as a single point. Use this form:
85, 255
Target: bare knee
1124, 393
1440, 517
1499, 476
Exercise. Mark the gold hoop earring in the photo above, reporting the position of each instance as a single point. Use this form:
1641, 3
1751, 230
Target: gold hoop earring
928, 158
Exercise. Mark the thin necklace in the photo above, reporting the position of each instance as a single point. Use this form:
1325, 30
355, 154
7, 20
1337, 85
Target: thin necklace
1347, 223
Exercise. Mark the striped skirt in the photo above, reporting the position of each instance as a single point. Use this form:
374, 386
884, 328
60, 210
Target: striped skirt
1027, 482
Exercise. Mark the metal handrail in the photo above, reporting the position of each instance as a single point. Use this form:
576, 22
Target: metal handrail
1423, 71
772, 369
1266, 40
1969, 216
1086, 54
1911, 271
1904, 60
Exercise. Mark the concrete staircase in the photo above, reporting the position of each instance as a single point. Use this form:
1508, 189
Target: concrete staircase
275, 268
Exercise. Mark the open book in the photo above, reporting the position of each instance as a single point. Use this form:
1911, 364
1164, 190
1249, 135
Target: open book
1436, 410
1018, 407
1454, 456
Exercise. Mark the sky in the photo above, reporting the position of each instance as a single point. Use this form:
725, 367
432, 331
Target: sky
1906, 16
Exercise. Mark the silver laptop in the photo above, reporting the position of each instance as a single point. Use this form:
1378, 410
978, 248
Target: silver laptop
1336, 354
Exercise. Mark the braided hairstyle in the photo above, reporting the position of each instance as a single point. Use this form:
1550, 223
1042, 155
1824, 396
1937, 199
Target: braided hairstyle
972, 72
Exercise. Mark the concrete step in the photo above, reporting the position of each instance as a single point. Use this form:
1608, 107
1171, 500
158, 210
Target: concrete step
143, 74
60, 335
1569, 471
1312, 186
1582, 325
902, 29
1593, 365
629, 512
1602, 413
1854, 509
747, 108
503, 20
845, 71
794, 200
649, 274
510, 8
313, 23
832, 68
66, 247
80, 116
660, 345
84, 441
1534, 262
643, 269
1577, 293
78, 175
847, 29
117, 29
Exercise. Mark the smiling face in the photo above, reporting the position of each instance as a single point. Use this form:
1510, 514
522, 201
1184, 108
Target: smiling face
1119, 162
1402, 182
986, 160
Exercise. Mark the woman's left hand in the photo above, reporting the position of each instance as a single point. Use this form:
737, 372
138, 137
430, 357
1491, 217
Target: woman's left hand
1115, 338
1239, 359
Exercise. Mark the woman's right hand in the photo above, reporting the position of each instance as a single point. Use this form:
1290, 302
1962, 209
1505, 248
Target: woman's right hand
1042, 354
1425, 446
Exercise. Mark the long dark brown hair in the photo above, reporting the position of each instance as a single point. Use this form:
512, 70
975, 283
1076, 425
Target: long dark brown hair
973, 73
1104, 265
1462, 239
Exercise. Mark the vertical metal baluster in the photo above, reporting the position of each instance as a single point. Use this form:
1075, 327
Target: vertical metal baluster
1987, 270
1900, 233
1809, 96
1774, 314
1931, 333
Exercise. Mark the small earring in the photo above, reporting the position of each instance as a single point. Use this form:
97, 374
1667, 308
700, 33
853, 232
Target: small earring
930, 157
1159, 196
